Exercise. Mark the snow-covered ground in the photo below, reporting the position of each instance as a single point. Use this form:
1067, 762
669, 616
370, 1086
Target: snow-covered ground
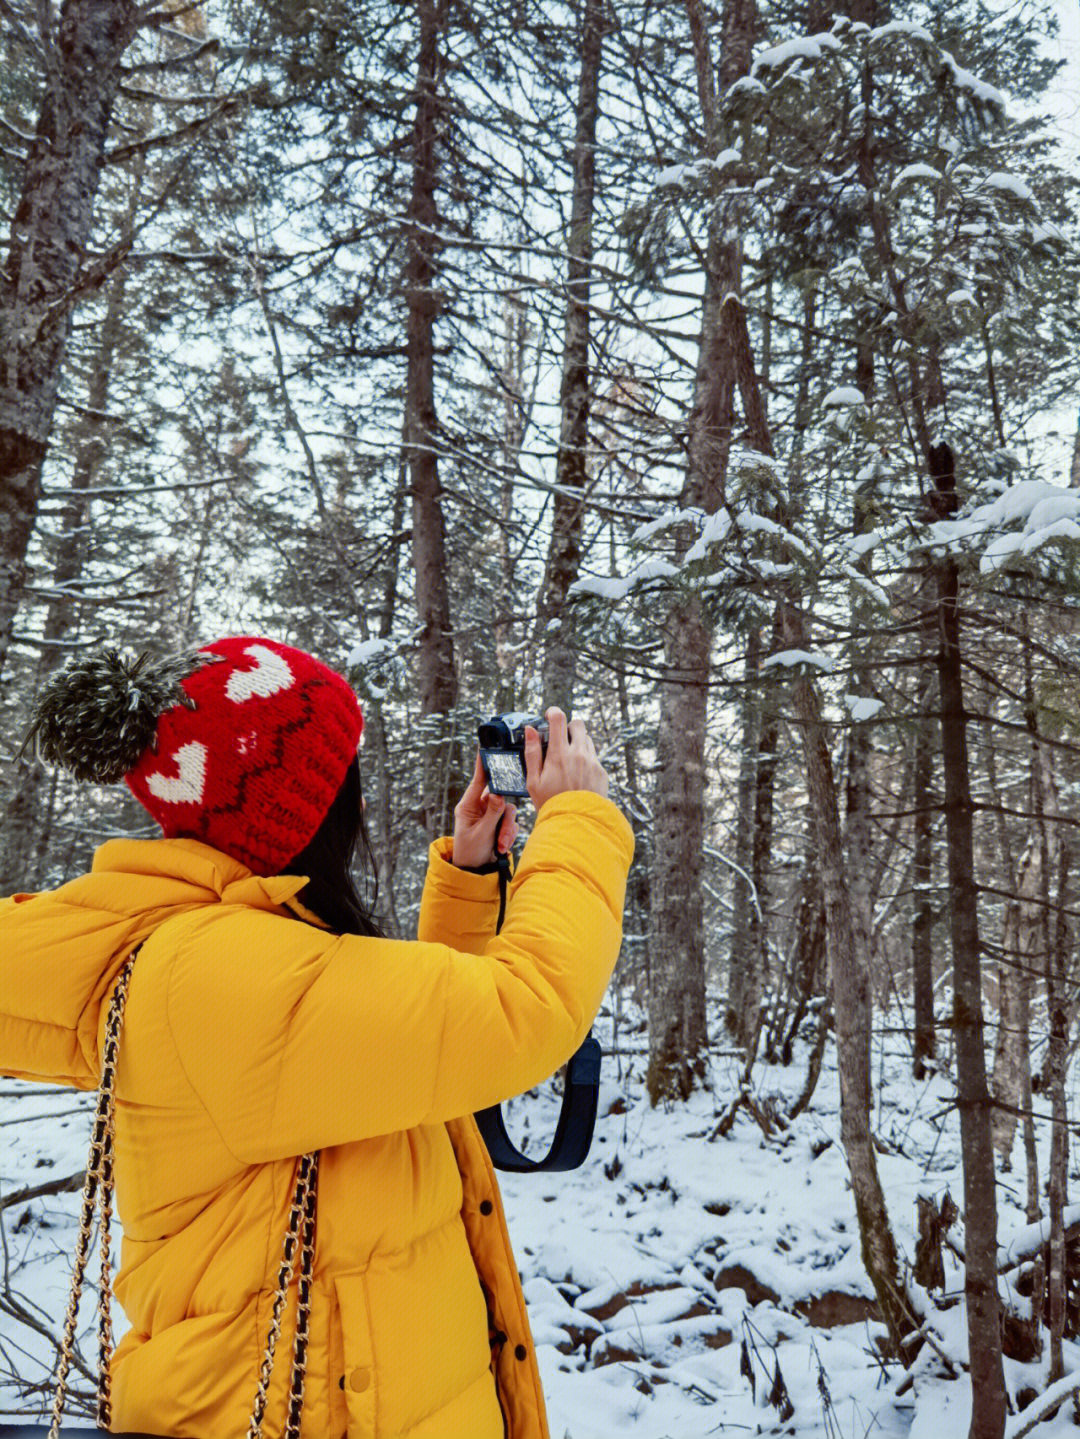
670, 1267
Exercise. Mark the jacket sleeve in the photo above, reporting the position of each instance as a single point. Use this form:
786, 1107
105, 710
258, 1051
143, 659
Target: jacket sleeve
294, 1039
458, 908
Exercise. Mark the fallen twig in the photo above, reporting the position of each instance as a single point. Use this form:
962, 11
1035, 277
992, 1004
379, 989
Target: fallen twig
1025, 1421
70, 1184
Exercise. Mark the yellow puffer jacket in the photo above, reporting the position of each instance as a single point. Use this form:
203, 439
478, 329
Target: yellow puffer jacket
251, 1038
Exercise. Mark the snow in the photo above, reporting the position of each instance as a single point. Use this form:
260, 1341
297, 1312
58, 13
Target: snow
716, 528
646, 1269
747, 86
805, 47
859, 545
751, 522
1054, 1394
612, 587
904, 28
1027, 1240
844, 396
770, 570
1042, 512
788, 658
965, 80
665, 521
862, 708
1011, 184
368, 650
743, 459
917, 172
602, 586
677, 175
1047, 230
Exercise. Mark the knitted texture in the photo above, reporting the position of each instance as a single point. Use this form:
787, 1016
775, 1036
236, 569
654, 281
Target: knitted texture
251, 761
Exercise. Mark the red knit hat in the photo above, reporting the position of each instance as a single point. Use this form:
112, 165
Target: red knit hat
253, 765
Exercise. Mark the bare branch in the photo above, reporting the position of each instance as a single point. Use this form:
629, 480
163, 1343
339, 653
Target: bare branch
70, 1184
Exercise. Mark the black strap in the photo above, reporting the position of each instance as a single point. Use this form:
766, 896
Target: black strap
574, 1131
41, 1431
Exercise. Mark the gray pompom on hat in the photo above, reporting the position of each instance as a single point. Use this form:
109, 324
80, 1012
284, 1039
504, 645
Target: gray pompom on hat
99, 714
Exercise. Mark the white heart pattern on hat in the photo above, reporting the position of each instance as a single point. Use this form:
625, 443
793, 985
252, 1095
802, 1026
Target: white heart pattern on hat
270, 674
187, 785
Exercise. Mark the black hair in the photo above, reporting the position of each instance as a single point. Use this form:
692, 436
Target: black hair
327, 860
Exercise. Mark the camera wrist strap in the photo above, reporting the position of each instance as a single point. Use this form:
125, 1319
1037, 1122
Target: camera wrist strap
574, 1130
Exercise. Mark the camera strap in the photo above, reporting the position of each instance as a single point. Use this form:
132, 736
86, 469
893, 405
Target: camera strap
574, 1130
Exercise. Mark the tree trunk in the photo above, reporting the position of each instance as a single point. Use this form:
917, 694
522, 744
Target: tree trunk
514, 415
1023, 948
24, 839
387, 832
1055, 942
973, 1098
922, 867
761, 846
437, 679
564, 548
677, 1033
638, 897
857, 788
807, 962
1057, 1062
744, 979
850, 991
40, 278
851, 1002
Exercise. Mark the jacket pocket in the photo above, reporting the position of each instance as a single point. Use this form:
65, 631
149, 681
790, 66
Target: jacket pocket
350, 1340
335, 1367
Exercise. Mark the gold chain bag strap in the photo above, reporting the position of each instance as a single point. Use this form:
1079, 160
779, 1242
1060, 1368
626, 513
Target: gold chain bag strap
99, 1180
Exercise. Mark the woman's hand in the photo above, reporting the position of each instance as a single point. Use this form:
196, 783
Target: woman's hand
570, 762
477, 813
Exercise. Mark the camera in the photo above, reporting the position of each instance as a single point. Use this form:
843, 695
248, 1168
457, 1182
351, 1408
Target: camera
502, 752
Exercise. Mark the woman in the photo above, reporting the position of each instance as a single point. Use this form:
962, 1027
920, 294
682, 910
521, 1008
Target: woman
250, 1039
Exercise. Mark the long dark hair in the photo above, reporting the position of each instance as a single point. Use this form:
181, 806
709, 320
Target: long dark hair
327, 860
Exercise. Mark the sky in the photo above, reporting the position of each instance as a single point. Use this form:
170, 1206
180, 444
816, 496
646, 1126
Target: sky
1063, 100
1067, 88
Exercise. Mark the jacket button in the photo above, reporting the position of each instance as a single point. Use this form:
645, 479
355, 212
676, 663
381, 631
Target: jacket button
359, 1379
520, 1352
486, 1206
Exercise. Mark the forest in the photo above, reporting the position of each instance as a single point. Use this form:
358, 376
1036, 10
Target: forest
709, 370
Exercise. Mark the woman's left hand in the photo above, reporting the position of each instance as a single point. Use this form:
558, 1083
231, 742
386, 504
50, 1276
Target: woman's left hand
477, 813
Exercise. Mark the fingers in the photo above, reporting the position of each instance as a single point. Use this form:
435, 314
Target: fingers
472, 795
508, 830
557, 738
534, 758
579, 735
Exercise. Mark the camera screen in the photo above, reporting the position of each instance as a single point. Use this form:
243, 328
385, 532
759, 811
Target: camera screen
506, 774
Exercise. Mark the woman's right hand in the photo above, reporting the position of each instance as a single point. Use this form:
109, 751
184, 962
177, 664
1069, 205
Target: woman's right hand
570, 762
